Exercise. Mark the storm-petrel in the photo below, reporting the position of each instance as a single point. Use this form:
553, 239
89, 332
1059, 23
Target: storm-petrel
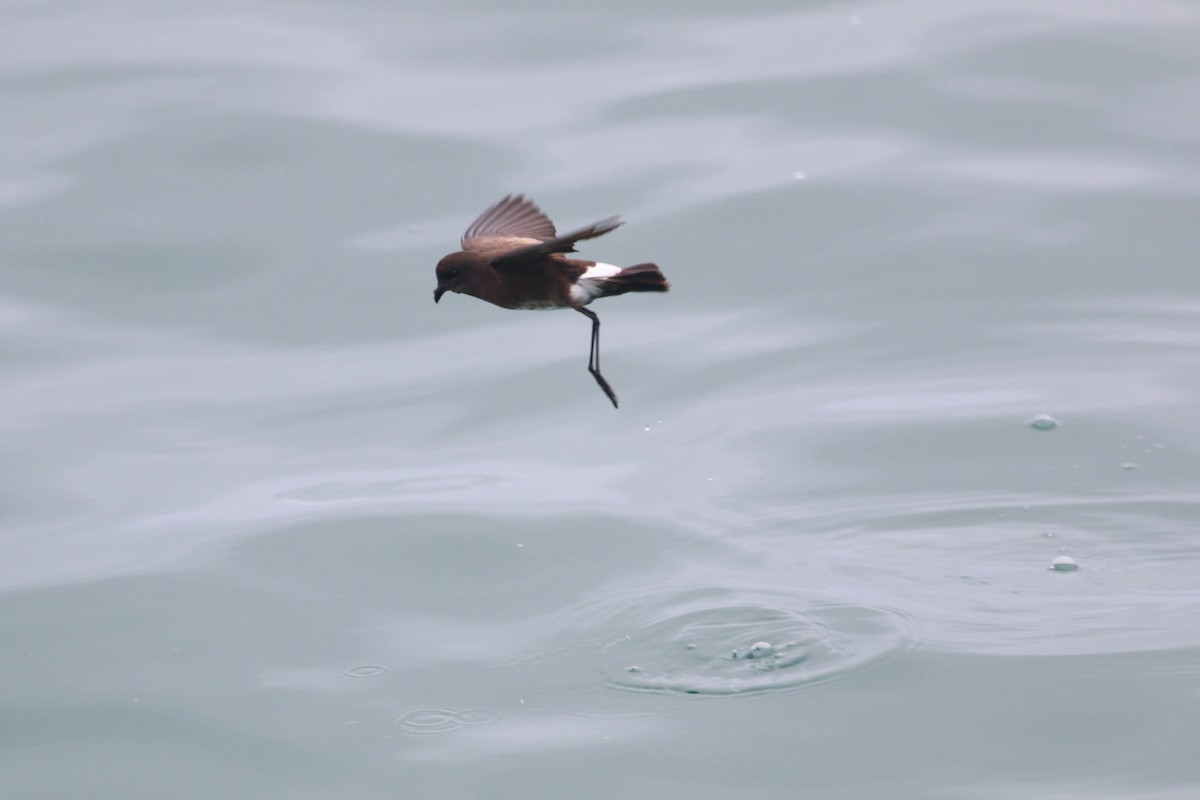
512, 257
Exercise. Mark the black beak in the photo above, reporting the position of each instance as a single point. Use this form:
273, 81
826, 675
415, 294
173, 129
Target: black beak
438, 292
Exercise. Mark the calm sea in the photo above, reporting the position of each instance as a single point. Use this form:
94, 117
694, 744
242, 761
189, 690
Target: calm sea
902, 500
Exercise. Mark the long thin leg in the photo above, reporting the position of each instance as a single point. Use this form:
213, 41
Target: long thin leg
594, 355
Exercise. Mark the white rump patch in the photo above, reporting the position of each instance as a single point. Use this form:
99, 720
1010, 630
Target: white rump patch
591, 283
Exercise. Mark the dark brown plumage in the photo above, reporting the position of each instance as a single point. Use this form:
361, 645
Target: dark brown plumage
512, 257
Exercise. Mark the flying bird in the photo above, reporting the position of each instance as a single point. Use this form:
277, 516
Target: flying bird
512, 257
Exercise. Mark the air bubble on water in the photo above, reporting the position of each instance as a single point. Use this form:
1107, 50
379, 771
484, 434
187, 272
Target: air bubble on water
1043, 422
645, 427
633, 670
1064, 564
760, 650
756, 650
1129, 466
1048, 534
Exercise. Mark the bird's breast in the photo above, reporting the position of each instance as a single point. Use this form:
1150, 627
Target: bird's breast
537, 305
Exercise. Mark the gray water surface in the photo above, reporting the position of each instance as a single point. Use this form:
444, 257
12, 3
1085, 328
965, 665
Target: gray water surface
274, 525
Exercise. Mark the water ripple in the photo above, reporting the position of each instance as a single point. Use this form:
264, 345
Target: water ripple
365, 671
974, 573
444, 720
731, 640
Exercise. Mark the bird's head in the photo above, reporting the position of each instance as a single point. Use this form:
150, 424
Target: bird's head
462, 273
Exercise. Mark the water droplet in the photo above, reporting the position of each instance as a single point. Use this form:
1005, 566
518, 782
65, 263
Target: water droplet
1129, 466
1064, 564
798, 176
1048, 534
633, 670
645, 427
1043, 422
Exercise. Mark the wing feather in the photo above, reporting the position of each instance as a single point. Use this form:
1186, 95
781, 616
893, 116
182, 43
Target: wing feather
513, 217
558, 244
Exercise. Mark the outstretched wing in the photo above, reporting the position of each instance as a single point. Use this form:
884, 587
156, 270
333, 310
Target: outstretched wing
558, 244
514, 217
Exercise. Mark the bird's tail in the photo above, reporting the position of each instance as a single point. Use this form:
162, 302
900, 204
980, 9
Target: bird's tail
638, 278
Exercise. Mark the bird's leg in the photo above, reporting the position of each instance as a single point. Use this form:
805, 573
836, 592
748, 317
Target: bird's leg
594, 355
